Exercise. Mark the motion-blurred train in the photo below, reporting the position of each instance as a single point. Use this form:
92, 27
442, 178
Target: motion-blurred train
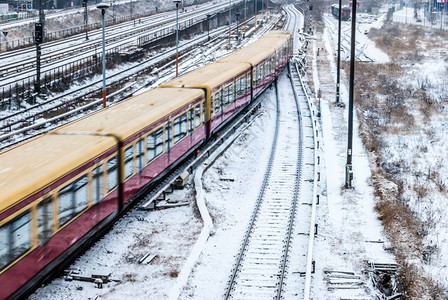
59, 190
346, 11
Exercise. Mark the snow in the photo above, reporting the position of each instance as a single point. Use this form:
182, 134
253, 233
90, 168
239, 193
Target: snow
190, 266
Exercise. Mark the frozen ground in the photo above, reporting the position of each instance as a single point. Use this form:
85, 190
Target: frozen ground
350, 234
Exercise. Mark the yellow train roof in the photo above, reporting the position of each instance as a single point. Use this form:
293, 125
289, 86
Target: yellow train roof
211, 75
41, 161
259, 50
35, 164
128, 117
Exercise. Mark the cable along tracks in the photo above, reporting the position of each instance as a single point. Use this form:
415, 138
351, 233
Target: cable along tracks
273, 255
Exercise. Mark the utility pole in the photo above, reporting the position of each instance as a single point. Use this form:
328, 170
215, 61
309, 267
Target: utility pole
237, 24
255, 13
177, 2
338, 76
38, 38
86, 20
230, 18
244, 34
349, 166
42, 17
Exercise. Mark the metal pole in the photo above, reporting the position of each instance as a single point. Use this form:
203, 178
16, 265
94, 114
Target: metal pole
262, 7
338, 76
237, 23
255, 12
230, 17
42, 18
37, 84
349, 166
86, 19
177, 38
103, 11
244, 34
208, 27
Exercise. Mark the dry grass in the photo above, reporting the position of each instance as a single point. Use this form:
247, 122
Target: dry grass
386, 107
407, 42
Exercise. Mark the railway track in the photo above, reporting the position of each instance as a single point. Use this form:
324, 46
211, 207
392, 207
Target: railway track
274, 252
35, 120
76, 50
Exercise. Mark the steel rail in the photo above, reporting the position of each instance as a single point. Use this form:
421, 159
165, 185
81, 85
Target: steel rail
215, 41
61, 56
310, 265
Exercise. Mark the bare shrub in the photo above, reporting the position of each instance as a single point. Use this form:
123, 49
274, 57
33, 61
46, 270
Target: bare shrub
174, 273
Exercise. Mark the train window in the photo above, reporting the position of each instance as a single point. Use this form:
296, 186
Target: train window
203, 112
241, 86
228, 95
20, 240
97, 184
140, 155
211, 105
151, 146
72, 199
197, 117
128, 161
190, 120
179, 128
154, 144
15, 239
217, 102
159, 141
168, 136
4, 246
45, 219
112, 173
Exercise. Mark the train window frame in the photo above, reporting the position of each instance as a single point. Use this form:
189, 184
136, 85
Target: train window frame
228, 95
217, 102
179, 128
128, 161
255, 77
7, 229
241, 86
204, 114
48, 219
190, 116
157, 136
74, 209
112, 173
212, 105
97, 179
168, 136
197, 116
140, 154
4, 246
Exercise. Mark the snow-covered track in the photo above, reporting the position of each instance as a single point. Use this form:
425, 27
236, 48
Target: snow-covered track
264, 263
302, 249
34, 120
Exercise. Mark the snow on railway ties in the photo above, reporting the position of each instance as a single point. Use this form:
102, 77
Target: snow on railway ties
276, 225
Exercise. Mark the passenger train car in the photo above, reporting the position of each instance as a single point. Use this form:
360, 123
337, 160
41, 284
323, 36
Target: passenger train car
346, 11
59, 190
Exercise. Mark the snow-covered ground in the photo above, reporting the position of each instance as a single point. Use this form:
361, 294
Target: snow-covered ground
350, 234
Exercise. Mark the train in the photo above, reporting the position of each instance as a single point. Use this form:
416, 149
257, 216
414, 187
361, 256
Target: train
346, 11
61, 189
